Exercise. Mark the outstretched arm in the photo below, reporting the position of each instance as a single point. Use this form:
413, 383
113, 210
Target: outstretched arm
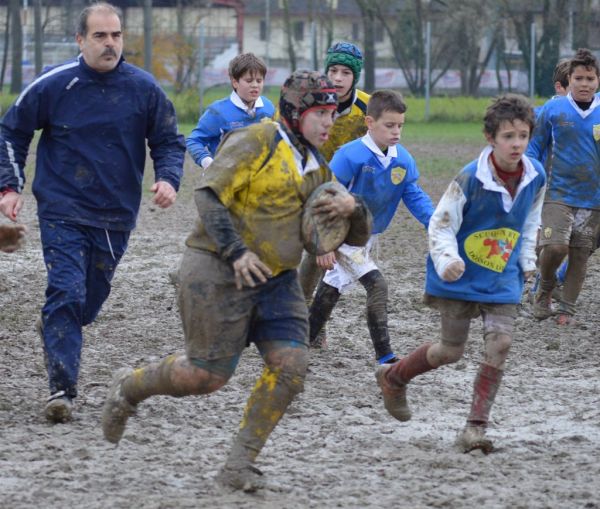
418, 203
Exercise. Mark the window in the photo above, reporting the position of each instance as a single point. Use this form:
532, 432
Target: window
299, 30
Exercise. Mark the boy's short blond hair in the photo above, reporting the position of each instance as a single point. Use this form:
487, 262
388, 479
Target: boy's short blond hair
385, 100
508, 108
246, 62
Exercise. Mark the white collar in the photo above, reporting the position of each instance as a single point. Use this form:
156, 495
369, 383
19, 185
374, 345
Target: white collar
392, 151
311, 162
485, 175
237, 101
584, 113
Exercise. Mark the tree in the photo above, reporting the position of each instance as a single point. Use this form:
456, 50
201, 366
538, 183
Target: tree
5, 52
554, 15
472, 24
38, 35
368, 10
289, 32
148, 35
16, 77
581, 24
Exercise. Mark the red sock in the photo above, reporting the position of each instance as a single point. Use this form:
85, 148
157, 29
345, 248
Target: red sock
410, 366
485, 388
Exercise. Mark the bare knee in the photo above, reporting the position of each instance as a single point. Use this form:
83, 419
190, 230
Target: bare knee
497, 346
291, 359
444, 353
202, 377
555, 251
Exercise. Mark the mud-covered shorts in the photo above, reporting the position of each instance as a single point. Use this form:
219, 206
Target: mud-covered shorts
219, 320
570, 226
461, 309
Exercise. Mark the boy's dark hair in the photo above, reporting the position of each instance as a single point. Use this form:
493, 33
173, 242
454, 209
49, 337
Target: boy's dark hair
509, 107
585, 58
385, 100
561, 72
82, 26
246, 62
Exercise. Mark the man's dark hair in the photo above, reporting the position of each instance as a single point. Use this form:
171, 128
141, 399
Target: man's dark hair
561, 72
82, 27
246, 62
507, 108
584, 57
385, 100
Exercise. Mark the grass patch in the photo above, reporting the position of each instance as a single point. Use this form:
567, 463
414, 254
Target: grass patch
442, 132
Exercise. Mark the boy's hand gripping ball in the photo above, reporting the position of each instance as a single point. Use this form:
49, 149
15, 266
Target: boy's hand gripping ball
323, 229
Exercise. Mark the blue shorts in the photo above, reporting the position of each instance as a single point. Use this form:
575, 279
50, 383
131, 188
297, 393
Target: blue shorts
220, 321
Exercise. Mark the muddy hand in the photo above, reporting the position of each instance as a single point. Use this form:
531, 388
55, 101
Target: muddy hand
11, 237
326, 261
165, 194
454, 271
10, 205
529, 276
334, 205
248, 268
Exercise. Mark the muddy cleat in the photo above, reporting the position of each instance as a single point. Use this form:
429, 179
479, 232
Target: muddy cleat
394, 396
59, 408
116, 409
473, 437
246, 478
541, 307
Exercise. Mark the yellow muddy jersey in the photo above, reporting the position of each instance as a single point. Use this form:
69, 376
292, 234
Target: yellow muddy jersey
349, 126
258, 176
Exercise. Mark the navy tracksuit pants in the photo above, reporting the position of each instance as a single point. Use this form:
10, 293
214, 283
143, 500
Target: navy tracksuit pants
80, 262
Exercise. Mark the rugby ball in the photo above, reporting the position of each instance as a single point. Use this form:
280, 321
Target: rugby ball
320, 235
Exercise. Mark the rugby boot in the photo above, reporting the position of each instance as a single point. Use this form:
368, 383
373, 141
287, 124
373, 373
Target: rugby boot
473, 437
394, 394
116, 409
542, 304
245, 478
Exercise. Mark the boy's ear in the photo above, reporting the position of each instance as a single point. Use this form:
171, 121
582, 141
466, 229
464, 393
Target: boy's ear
369, 121
234, 83
489, 138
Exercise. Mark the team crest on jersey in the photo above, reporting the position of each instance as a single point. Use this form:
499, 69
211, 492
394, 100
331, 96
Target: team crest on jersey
491, 248
596, 132
398, 174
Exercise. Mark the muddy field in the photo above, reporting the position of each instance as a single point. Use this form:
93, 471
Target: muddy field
337, 447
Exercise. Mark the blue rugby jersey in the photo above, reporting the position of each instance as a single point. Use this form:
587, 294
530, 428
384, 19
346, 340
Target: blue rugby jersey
357, 166
574, 135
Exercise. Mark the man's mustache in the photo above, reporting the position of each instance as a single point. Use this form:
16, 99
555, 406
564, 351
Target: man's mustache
109, 52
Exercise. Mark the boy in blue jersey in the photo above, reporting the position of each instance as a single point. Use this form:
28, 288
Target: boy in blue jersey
381, 171
560, 79
343, 66
571, 213
481, 249
243, 107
